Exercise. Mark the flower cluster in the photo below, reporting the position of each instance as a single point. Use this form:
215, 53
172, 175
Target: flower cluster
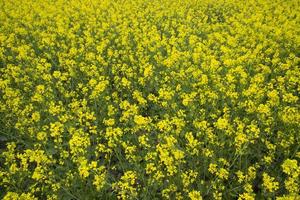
149, 99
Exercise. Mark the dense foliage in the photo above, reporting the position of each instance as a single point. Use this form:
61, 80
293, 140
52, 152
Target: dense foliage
149, 99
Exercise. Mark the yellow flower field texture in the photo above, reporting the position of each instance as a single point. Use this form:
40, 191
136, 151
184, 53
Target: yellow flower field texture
149, 99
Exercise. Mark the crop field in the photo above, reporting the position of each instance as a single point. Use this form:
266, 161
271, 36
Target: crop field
149, 99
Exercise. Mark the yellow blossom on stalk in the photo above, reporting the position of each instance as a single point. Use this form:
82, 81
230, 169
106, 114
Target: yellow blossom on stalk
138, 96
84, 171
143, 141
212, 168
269, 183
192, 143
36, 116
148, 71
195, 195
166, 193
126, 186
56, 129
187, 98
100, 178
125, 82
240, 176
291, 168
140, 120
16, 196
79, 142
274, 97
246, 196
100, 87
222, 123
150, 167
149, 99
240, 140
223, 174
109, 122
188, 178
165, 94
40, 89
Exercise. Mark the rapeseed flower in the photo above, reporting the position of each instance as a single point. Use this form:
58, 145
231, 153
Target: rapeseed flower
149, 99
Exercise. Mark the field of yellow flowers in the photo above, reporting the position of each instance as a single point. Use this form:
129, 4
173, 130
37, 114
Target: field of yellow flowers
149, 99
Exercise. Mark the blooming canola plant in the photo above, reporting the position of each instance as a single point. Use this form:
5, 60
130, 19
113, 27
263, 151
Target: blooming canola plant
149, 99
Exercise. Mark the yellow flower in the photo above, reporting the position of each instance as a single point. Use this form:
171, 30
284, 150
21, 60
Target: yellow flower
246, 196
188, 178
269, 183
212, 168
223, 174
16, 196
195, 195
138, 96
100, 178
150, 167
240, 176
192, 143
109, 122
126, 186
291, 168
36, 116
140, 120
222, 123
125, 82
